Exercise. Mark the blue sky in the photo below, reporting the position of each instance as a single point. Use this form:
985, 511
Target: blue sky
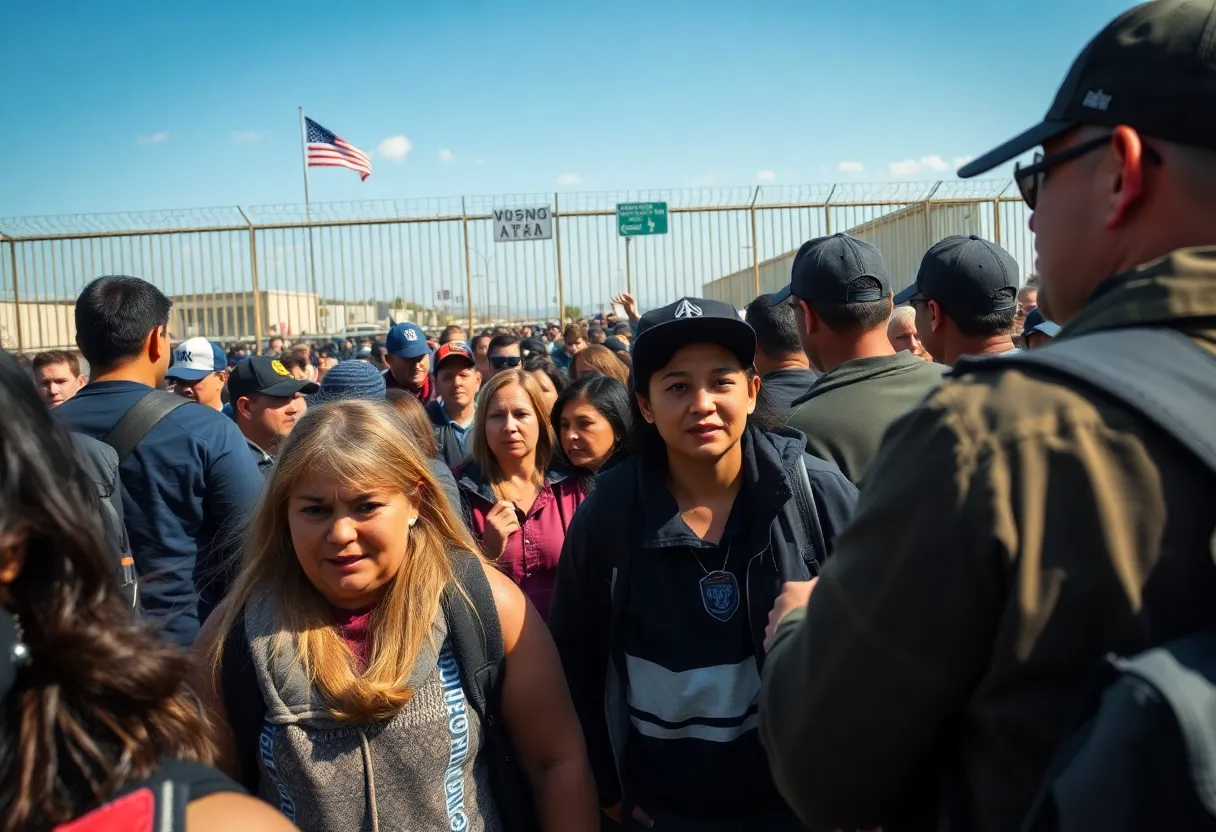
126, 106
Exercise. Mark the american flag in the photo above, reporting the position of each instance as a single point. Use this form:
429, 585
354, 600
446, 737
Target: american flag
325, 150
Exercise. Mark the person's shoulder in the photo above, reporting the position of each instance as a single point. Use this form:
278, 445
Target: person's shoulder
1006, 401
206, 426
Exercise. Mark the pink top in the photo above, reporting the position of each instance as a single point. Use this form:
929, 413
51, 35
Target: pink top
532, 552
353, 627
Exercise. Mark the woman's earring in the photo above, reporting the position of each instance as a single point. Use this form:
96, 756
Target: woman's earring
413, 520
19, 653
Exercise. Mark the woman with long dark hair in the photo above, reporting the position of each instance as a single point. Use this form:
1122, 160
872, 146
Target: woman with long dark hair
591, 419
670, 570
97, 709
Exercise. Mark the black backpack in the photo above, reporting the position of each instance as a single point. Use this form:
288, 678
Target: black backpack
476, 640
1146, 756
158, 802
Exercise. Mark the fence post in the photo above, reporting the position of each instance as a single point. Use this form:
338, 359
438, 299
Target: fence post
12, 254
827, 213
996, 221
254, 283
468, 268
561, 292
755, 248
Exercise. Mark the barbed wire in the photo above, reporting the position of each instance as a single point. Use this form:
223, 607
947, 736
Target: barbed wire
423, 208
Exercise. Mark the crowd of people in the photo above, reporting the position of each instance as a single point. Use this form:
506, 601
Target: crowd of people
848, 558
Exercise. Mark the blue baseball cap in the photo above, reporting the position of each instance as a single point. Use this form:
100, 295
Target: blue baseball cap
195, 359
407, 341
1035, 322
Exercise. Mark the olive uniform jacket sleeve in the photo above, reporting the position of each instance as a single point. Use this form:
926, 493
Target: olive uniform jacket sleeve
897, 632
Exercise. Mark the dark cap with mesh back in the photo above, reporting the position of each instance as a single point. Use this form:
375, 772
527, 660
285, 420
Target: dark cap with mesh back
837, 269
967, 276
1152, 68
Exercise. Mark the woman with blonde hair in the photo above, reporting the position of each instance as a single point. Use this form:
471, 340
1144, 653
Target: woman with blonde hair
599, 359
518, 504
357, 670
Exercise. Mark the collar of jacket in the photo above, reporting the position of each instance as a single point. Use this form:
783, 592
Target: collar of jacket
767, 457
1179, 290
472, 479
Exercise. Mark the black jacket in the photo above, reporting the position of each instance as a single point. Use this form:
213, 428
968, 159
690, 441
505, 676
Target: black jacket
445, 436
790, 532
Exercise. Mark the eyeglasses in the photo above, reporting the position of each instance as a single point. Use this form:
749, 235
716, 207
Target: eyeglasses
1030, 178
503, 362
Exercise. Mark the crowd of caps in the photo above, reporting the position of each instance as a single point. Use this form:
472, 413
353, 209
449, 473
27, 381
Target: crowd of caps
513, 429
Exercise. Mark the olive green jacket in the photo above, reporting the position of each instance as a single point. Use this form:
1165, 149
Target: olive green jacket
1011, 532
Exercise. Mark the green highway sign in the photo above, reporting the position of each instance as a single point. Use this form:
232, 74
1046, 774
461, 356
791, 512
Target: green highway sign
635, 219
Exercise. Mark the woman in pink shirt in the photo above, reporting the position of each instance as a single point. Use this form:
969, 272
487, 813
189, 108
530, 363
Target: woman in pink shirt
517, 505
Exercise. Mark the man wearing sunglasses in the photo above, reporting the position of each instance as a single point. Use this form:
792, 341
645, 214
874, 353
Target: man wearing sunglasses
504, 354
1041, 524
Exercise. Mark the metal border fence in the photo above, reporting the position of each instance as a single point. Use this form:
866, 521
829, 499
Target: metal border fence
240, 274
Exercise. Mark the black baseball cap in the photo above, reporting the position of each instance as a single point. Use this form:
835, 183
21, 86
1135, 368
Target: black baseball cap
266, 376
1152, 68
663, 331
828, 269
968, 276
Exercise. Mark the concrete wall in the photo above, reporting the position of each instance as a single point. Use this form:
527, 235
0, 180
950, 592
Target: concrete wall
903, 236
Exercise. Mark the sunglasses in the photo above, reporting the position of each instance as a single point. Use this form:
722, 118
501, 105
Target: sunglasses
1030, 178
503, 362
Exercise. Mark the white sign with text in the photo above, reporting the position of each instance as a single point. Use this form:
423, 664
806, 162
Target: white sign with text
514, 224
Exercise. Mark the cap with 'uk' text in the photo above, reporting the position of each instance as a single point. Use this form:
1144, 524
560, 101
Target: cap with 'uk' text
663, 331
266, 376
1153, 68
195, 359
837, 269
406, 341
967, 276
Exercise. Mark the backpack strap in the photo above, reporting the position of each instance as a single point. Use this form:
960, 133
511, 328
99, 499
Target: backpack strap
808, 535
1160, 373
1181, 675
475, 632
476, 638
243, 701
139, 419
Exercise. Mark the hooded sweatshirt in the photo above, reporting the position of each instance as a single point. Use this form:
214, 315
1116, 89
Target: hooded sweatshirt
846, 412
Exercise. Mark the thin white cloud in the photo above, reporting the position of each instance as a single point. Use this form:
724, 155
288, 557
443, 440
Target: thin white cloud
766, 175
247, 136
959, 161
931, 164
704, 180
154, 138
447, 157
935, 163
395, 148
569, 179
850, 167
479, 161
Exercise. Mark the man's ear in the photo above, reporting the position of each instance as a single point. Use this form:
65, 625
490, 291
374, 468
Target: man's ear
152, 345
244, 406
1127, 185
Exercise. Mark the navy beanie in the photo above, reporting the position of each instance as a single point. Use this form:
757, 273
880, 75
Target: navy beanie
351, 380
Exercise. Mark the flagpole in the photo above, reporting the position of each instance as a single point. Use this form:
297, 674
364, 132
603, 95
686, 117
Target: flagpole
312, 263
